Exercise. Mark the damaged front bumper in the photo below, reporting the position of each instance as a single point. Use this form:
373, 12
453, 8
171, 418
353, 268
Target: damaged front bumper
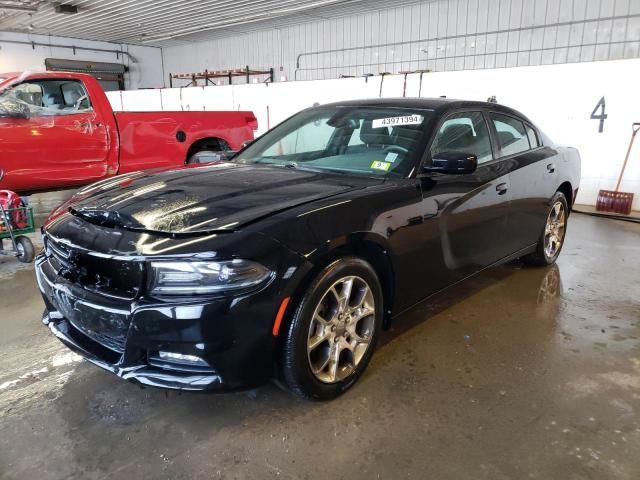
143, 374
217, 344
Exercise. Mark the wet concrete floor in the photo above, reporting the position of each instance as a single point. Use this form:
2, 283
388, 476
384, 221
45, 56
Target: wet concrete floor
518, 374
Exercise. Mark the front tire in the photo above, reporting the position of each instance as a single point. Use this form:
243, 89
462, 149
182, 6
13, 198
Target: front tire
553, 233
332, 334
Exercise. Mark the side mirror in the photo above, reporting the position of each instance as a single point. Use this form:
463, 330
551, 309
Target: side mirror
10, 108
453, 163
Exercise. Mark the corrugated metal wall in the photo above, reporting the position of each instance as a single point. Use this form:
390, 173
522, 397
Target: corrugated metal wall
438, 35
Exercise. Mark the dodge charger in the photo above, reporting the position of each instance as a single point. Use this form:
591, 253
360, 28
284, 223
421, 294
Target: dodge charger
286, 261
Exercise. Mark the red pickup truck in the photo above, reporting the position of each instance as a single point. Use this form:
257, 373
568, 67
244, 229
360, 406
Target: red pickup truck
58, 130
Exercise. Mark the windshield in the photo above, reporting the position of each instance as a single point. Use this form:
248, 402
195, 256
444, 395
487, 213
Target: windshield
372, 141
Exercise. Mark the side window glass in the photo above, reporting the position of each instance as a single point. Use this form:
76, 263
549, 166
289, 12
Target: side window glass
51, 97
74, 96
533, 138
511, 134
29, 93
465, 133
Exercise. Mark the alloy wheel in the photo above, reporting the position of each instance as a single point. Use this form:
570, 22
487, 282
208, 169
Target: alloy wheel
341, 330
554, 230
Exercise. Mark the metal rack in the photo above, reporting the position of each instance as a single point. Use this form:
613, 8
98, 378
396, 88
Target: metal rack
209, 77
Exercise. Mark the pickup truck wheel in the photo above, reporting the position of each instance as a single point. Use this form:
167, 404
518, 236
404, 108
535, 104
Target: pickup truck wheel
204, 156
552, 236
206, 152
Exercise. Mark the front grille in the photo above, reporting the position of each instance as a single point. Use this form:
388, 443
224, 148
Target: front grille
100, 274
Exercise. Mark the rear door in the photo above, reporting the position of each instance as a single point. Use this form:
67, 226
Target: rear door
533, 173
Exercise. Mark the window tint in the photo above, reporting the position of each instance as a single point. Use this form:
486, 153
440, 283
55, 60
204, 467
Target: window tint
466, 133
511, 134
533, 138
51, 97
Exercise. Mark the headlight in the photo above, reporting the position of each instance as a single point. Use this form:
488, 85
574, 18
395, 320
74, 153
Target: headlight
186, 278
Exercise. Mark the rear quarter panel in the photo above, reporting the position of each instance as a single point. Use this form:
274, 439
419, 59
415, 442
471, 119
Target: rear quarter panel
150, 139
570, 170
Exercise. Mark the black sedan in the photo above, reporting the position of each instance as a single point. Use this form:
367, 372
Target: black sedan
288, 260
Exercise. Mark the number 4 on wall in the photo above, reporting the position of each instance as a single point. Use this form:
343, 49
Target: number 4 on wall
602, 117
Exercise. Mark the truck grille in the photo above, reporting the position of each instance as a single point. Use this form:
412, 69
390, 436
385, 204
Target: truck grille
102, 275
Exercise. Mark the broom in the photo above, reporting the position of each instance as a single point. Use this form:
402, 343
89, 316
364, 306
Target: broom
614, 200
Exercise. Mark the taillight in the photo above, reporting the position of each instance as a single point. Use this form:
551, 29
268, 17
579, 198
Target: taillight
252, 122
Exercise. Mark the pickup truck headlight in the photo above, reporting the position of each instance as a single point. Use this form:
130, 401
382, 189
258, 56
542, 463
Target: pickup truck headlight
188, 278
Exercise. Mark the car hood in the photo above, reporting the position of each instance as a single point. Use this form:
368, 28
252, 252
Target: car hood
212, 198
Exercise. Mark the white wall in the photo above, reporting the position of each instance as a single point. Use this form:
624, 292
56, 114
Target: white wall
440, 35
558, 98
146, 73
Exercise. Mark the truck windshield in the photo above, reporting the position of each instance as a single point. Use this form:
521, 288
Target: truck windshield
372, 141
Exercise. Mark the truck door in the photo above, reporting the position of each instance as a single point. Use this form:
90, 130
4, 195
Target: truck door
61, 144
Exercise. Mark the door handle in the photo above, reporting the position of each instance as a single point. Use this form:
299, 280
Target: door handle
502, 188
551, 168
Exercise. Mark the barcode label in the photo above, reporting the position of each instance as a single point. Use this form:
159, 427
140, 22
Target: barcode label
395, 121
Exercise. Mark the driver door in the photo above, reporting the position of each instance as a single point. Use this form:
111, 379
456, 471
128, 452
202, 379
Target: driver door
63, 143
468, 212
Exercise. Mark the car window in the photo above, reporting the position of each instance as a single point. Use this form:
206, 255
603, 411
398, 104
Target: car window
465, 133
361, 140
74, 95
533, 138
29, 93
512, 135
50, 97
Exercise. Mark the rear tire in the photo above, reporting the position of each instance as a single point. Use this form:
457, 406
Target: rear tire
331, 336
204, 156
26, 252
553, 233
206, 152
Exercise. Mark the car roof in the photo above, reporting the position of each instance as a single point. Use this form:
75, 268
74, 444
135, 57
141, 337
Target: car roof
441, 105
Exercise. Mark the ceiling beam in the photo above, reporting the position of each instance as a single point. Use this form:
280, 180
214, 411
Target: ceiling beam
21, 8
